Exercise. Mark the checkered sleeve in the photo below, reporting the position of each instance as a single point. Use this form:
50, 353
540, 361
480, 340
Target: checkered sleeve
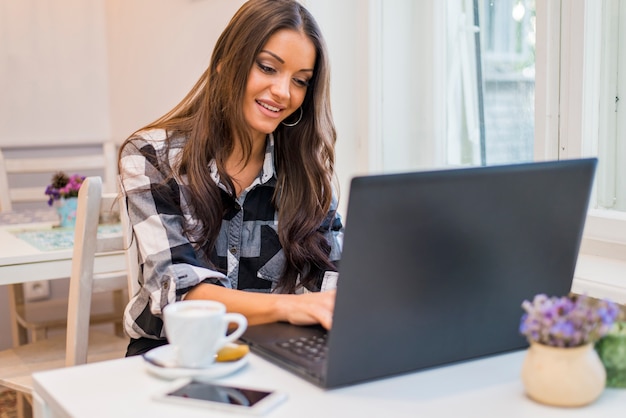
169, 264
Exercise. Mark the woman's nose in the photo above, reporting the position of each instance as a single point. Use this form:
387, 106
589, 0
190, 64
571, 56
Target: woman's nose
280, 87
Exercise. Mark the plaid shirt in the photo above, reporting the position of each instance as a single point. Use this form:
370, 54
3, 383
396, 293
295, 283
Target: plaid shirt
248, 253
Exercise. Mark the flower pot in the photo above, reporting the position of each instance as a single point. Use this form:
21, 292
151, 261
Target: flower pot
557, 376
66, 208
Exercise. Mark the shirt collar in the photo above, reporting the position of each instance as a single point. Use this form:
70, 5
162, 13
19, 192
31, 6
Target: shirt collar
267, 172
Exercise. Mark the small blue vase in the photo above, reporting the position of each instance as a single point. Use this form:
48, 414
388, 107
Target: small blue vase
67, 212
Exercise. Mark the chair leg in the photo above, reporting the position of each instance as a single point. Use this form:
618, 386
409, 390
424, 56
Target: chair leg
24, 406
118, 306
39, 334
16, 309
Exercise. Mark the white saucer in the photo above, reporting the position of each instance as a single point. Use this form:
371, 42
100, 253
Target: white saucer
161, 362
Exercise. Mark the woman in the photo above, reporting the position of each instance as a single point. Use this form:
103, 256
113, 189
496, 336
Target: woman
230, 194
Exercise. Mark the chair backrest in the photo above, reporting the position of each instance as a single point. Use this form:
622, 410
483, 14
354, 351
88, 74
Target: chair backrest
102, 159
92, 205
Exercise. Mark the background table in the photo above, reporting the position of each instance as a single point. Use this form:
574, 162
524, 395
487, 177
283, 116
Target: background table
22, 261
489, 387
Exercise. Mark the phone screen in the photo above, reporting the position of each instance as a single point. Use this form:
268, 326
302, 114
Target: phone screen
221, 394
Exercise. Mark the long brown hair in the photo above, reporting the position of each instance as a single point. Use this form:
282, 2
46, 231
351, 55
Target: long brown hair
211, 117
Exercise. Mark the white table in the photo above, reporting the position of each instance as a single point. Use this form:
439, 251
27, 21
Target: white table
21, 262
488, 387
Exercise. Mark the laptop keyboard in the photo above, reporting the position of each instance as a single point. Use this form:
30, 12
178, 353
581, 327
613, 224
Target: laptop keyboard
313, 348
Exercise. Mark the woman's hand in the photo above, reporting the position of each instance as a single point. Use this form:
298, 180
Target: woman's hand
310, 308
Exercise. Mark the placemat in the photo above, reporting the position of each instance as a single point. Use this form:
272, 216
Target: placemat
60, 238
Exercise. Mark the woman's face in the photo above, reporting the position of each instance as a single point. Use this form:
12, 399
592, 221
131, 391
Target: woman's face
278, 81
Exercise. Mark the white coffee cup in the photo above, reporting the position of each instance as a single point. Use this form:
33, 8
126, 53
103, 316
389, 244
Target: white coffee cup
197, 330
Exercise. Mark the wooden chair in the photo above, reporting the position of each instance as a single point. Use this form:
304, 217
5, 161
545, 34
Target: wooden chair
31, 321
79, 345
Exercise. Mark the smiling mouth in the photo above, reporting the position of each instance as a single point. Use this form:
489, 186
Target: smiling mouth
268, 107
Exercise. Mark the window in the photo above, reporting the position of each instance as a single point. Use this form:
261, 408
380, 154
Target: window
494, 112
481, 55
420, 74
490, 81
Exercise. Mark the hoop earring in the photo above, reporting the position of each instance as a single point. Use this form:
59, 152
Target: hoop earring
291, 125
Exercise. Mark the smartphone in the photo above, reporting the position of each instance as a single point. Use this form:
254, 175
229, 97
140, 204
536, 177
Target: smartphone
229, 398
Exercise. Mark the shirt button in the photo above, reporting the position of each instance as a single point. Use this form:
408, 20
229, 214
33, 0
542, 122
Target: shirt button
166, 285
233, 250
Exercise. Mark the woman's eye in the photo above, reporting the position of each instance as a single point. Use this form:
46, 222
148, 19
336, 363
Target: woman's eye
301, 83
265, 68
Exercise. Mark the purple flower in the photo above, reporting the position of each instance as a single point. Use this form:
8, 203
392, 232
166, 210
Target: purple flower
566, 321
63, 186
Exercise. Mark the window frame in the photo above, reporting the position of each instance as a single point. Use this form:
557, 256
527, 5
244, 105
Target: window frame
570, 86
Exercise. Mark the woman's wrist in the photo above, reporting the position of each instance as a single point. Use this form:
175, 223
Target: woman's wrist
281, 306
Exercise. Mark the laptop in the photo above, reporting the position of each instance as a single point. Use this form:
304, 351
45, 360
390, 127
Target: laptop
435, 266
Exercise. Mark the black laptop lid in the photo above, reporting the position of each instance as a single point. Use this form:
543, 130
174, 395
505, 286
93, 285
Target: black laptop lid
436, 264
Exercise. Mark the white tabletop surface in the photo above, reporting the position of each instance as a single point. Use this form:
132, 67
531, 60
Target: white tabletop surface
22, 262
488, 387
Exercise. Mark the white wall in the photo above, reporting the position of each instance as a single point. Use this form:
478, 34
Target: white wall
344, 25
157, 50
53, 74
